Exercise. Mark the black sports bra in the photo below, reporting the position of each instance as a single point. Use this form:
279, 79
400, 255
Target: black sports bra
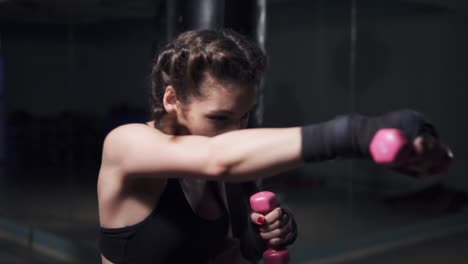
172, 233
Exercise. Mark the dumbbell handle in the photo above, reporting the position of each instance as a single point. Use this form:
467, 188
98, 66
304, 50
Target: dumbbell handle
263, 203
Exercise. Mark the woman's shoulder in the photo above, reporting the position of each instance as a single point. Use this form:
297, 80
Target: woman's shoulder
131, 131
124, 138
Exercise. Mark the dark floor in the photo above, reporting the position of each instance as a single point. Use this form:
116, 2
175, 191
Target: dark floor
450, 249
14, 253
68, 209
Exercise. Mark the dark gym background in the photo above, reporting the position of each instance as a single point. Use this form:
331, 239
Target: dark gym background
72, 70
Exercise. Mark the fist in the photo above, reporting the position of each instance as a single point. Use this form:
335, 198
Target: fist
428, 156
275, 227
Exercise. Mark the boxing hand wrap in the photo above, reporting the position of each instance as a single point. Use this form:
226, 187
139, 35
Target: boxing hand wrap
350, 135
328, 140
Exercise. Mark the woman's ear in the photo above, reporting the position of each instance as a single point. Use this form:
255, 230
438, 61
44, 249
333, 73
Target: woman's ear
170, 100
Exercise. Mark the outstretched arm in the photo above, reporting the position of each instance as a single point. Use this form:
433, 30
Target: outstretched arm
138, 150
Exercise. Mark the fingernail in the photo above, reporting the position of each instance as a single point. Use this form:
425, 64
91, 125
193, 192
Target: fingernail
261, 219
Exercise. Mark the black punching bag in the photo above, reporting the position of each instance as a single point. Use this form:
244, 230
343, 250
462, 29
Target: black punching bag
183, 15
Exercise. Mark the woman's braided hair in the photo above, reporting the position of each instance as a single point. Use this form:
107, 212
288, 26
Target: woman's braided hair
183, 64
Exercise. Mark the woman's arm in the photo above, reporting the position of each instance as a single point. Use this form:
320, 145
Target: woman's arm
249, 154
139, 150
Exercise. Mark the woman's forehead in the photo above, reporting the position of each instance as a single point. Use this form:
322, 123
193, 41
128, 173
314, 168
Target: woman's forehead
227, 94
227, 103
226, 100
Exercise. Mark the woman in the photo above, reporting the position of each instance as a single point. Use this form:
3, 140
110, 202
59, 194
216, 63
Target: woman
204, 84
161, 191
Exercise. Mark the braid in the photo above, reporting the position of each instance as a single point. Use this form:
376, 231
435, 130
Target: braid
184, 63
160, 81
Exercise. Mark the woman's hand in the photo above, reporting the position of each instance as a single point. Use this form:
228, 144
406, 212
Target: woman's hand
275, 228
429, 156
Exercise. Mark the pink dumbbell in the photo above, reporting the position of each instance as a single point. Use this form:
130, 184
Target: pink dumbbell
389, 146
263, 203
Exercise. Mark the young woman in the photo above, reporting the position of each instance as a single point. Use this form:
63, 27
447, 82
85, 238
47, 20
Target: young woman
176, 189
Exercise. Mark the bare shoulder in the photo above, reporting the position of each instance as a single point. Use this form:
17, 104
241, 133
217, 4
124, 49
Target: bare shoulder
131, 132
126, 137
139, 150
117, 145
117, 193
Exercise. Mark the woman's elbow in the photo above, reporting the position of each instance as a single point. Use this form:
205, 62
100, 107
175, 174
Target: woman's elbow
217, 170
218, 166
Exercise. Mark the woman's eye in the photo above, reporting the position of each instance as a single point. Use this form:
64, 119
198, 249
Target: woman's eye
218, 118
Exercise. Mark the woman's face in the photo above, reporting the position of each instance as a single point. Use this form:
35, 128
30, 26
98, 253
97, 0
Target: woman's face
221, 108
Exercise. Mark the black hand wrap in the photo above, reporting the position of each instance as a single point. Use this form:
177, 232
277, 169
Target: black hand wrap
350, 135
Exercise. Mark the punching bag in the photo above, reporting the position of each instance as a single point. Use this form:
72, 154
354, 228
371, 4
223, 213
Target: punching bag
183, 15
